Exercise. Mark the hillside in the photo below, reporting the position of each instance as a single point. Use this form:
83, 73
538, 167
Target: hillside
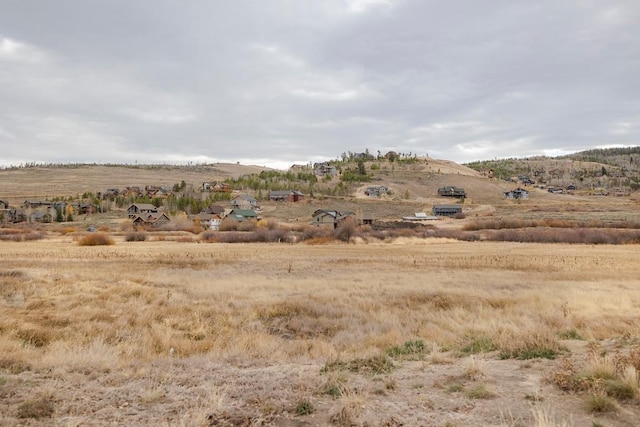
602, 169
413, 187
19, 184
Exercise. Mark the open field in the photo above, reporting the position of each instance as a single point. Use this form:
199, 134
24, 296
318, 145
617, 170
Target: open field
414, 332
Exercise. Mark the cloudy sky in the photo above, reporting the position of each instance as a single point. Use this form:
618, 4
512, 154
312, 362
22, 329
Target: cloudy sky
277, 82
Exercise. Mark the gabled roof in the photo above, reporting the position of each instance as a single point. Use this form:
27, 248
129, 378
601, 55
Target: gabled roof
323, 212
246, 213
144, 206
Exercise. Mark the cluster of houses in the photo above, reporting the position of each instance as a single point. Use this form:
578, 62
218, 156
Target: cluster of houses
43, 211
150, 191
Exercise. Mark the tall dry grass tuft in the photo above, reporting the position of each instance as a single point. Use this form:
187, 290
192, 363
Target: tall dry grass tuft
96, 239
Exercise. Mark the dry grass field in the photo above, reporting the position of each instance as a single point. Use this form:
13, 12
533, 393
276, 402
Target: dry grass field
413, 332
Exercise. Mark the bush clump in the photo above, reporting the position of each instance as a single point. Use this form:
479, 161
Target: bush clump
96, 239
136, 236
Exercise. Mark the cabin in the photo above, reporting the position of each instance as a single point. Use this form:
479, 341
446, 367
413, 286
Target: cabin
451, 191
286, 196
447, 210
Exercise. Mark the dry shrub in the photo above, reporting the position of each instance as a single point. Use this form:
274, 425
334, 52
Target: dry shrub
247, 225
135, 236
67, 230
269, 223
181, 223
229, 224
529, 345
96, 239
21, 234
37, 407
97, 356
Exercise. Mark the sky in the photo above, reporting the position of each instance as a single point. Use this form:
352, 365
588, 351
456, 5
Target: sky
282, 82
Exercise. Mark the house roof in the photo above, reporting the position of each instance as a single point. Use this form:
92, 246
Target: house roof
246, 213
213, 209
144, 206
277, 193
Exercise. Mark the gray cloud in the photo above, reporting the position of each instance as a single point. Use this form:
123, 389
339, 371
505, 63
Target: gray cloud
282, 82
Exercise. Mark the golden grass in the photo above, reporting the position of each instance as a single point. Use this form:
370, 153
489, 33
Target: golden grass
68, 310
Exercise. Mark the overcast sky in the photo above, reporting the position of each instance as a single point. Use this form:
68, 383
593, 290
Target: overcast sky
274, 83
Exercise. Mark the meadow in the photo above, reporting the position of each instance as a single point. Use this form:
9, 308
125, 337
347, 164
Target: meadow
409, 331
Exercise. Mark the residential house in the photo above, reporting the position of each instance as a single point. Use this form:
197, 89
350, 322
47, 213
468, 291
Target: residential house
110, 194
242, 214
286, 196
138, 209
34, 204
376, 191
324, 169
244, 201
518, 193
447, 210
209, 221
153, 219
213, 210
41, 216
132, 191
87, 209
4, 204
451, 191
216, 187
327, 217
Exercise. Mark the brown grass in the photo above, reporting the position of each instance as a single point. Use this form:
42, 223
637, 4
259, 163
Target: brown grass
118, 313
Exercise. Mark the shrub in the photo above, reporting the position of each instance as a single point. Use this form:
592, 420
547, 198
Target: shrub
247, 225
96, 239
41, 407
409, 347
304, 407
597, 402
136, 236
479, 344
